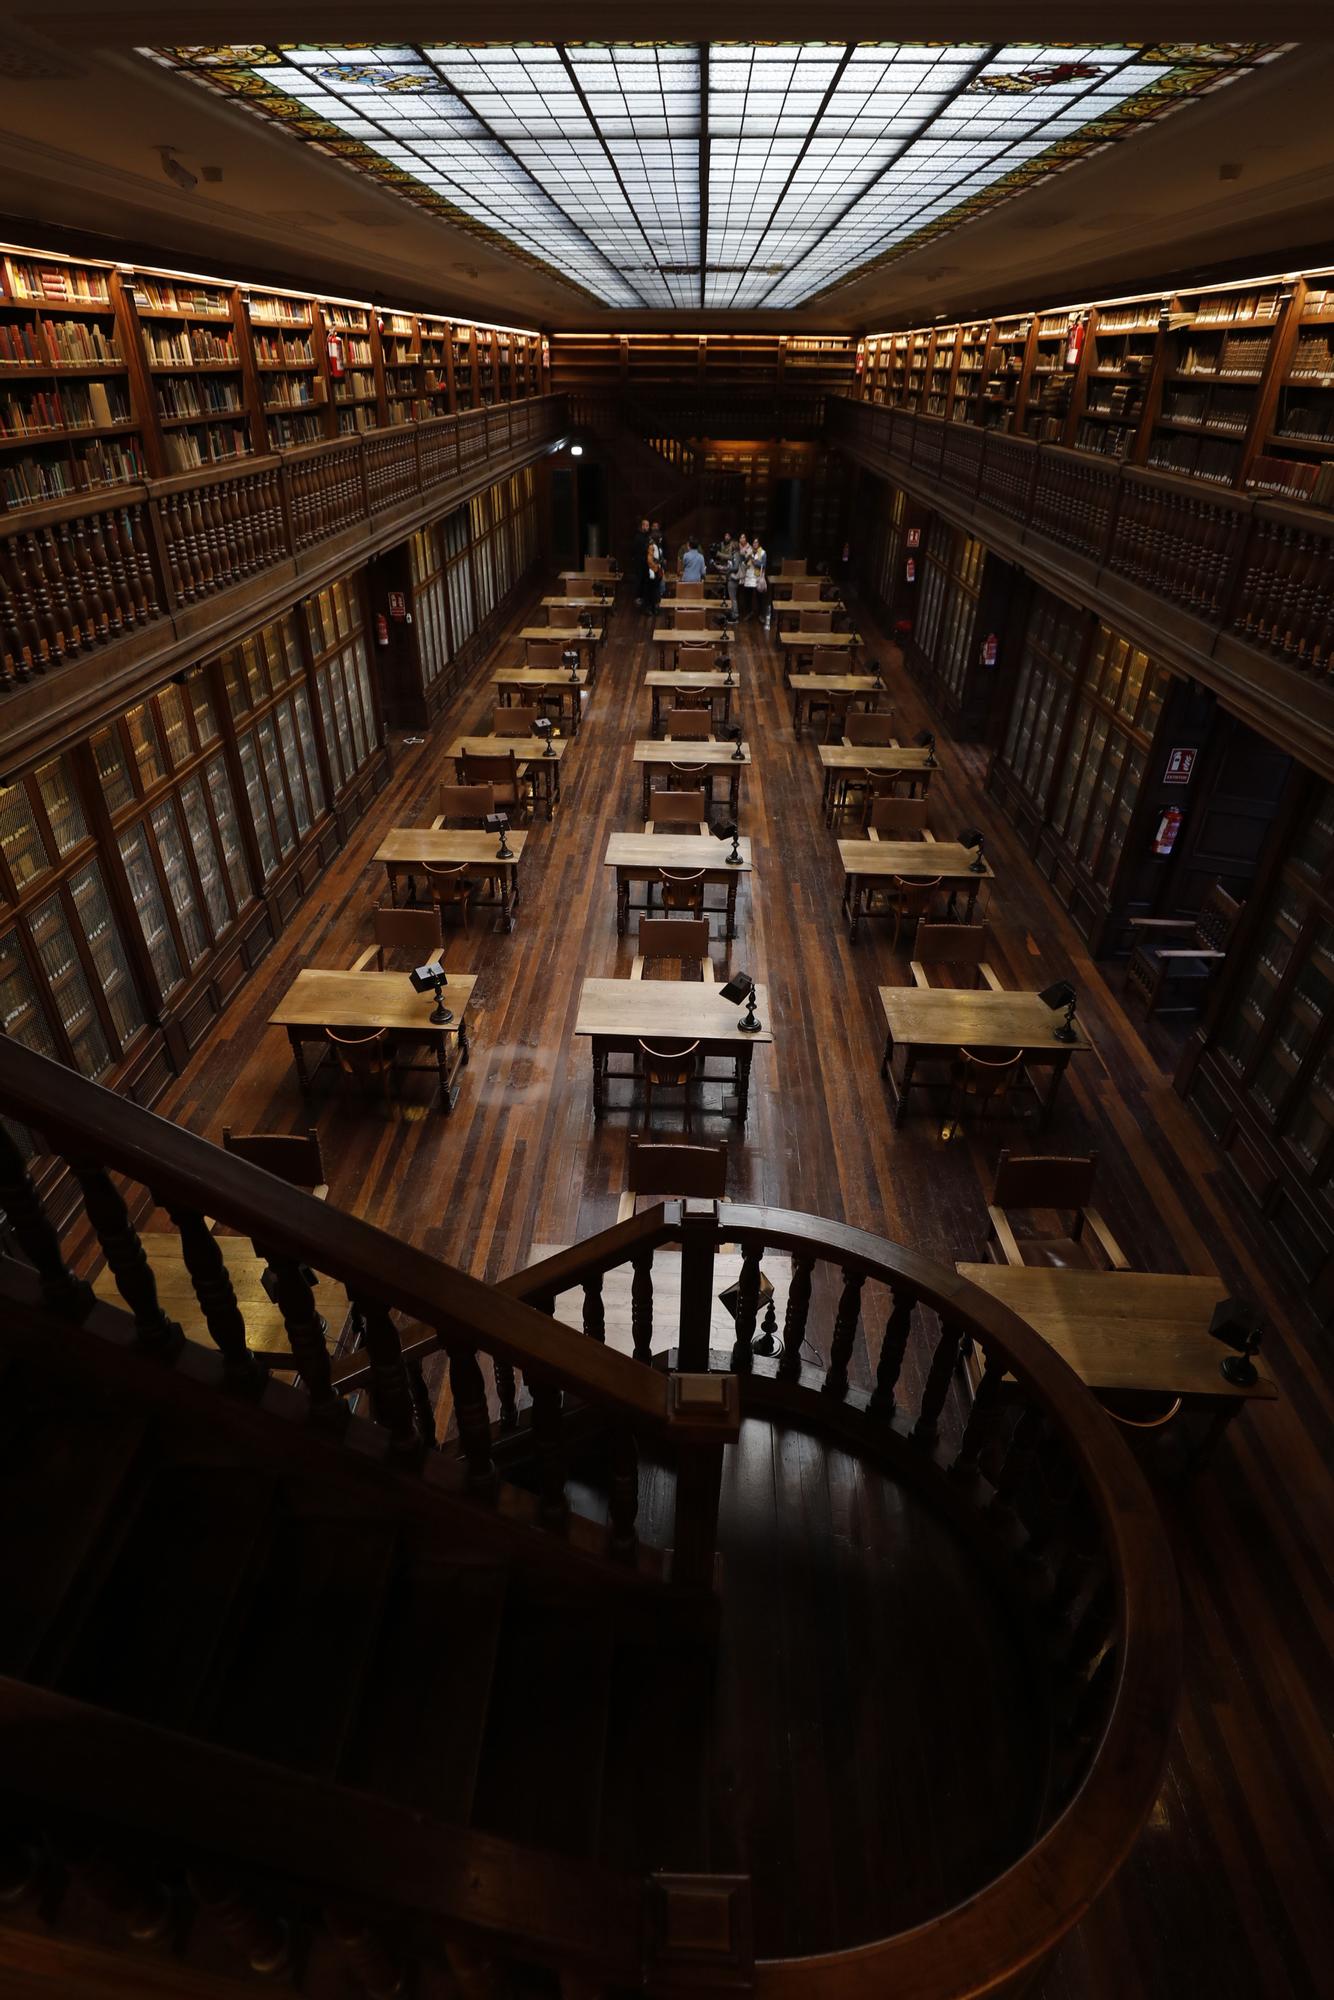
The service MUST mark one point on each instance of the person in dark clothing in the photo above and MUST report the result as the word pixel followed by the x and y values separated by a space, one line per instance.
pixel 639 565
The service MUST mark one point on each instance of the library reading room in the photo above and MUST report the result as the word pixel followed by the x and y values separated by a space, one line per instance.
pixel 666 1003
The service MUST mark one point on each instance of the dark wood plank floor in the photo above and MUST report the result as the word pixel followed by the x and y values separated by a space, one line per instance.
pixel 1231 1890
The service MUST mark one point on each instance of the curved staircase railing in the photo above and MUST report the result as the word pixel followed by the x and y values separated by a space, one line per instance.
pixel 1029 1467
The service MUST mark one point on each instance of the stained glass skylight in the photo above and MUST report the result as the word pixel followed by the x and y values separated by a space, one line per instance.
pixel 726 174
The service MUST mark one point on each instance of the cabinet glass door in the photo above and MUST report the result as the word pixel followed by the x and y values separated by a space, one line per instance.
pixel 68 988
pixel 21 1012
pixel 146 893
pixel 107 949
pixel 229 831
pixel 180 883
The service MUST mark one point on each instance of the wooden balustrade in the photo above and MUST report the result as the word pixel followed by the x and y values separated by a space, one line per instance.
pixel 80 573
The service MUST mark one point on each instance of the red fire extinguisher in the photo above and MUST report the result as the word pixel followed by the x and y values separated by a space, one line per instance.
pixel 990 650
pixel 1074 343
pixel 335 345
pixel 910 569
pixel 861 356
pixel 381 629
pixel 1169 826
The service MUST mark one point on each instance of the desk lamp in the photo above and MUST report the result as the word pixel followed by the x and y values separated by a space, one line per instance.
pixel 727 829
pixel 1238 1325
pixel 742 987
pixel 731 733
pixel 542 730
pixel 766 1340
pixel 586 624
pixel 970 837
pixel 429 979
pixel 500 823
pixel 875 669
pixel 1062 994
pixel 926 741
pixel 729 679
pixel 570 658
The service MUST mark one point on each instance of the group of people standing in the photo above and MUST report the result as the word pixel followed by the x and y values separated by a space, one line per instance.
pixel 742 562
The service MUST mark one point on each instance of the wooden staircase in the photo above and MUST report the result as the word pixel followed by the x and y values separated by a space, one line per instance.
pixel 293 1691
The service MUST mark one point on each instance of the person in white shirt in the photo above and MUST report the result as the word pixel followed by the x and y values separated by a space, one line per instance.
pixel 759 563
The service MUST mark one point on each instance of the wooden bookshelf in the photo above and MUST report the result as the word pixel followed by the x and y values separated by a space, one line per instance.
pixel 203 400
pixel 401 369
pixel 434 340
pixel 350 359
pixel 291 368
pixel 461 339
pixel 1218 352
pixel 1051 377
pixel 1006 380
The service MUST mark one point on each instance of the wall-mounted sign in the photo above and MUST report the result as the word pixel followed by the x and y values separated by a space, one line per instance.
pixel 398 605
pixel 914 538
pixel 1180 766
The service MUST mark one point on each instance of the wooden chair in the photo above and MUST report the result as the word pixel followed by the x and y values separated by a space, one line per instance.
pixel 363 1055
pixel 690 593
pixel 599 566
pixel 658 1168
pixel 513 721
pixel 688 778
pixel 690 618
pixel 682 889
pixel 835 703
pixel 815 618
pixel 678 943
pixel 908 899
pixel 1190 965
pixel 542 652
pixel 450 887
pixel 1059 1187
pixel 953 945
pixel 510 793
pixel 796 566
pixel 294 1157
pixel 575 586
pixel 464 806
pixel 686 724
pixel 895 818
pixel 896 783
pixel 870 725
pixel 981 1077
pixel 805 589
pixel 415 933
pixel 694 660
pixel 677 811
pixel 669 1065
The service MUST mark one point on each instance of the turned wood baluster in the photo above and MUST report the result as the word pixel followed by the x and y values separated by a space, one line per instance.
pixel 927 1428
pixel 846 1321
pixel 65 1294
pixel 465 1379
pixel 182 579
pixel 507 1393
pixel 548 1437
pixel 366 1955
pixel 139 1906
pixel 201 529
pixel 893 1347
pixel 129 526
pixel 641 1305
pixel 262 1940
pixel 794 1319
pixel 293 1292
pixel 595 1316
pixel 107 557
pixel 53 644
pixel 1016 1472
pixel 127 1259
pixel 423 1408
pixel 95 582
pixel 207 1267
pixel 18 626
pixel 391 1395
pixel 978 1430
pixel 1093 1628
pixel 74 602
pixel 747 1309
pixel 623 1500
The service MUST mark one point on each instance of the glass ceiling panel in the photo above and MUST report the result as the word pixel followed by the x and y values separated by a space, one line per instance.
pixel 823 158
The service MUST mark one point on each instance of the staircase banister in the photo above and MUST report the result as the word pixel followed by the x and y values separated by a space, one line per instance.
pixel 569 1911
pixel 650 1229
pixel 91 1123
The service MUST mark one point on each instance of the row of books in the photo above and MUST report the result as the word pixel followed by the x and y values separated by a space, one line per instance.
pixel 292 391
pixel 1115 399
pixel 1205 458
pixel 1235 357
pixel 188 345
pixel 209 445
pixel 1289 476
pixel 1313 356
pixel 279 353
pixel 356 417
pixel 278 312
pixel 37 343
pixel 1225 308
pixel 1308 420
pixel 354 387
pixel 1126 319
pixel 104 462
pixel 178 295
pixel 1109 440
pixel 345 316
pixel 1221 409
pixel 290 430
pixel 195 396
pixel 75 284
pixel 75 406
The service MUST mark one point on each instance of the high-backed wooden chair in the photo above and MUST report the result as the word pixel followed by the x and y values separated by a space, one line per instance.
pixel 674 943
pixel 956 946
pixel 805 589
pixel 682 889
pixel 500 770
pixel 410 934
pixel 685 724
pixel 450 886
pixel 294 1156
pixel 690 618
pixel 513 721
pixel 685 777
pixel 1190 965
pixel 542 652
pixel 1063 1189
pixel 575 586
pixel 892 818
pixel 694 660
pixel 599 566
pixel 910 900
pixel 668 1065
pixel 815 618
pixel 364 1056
pixel 690 593
pixel 870 725
pixel 897 783
pixel 797 566
pixel 677 812
pixel 982 1078
pixel 464 805
pixel 658 1169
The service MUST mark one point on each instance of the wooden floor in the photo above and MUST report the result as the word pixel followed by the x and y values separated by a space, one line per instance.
pixel 1231 1890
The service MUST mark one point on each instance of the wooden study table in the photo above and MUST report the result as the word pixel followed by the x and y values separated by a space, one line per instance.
pixel 565 636
pixel 319 999
pixel 937 1021
pixel 1139 1332
pixel 527 681
pixel 591 576
pixel 794 611
pixel 862 687
pixel 670 641
pixel 719 758
pixel 615 1014
pixel 839 758
pixel 704 680
pixel 866 862
pixel 533 764
pixel 838 642
pixel 408 847
pixel 640 857
pixel 573 604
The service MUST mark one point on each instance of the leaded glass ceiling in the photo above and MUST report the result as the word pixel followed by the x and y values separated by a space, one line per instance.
pixel 735 175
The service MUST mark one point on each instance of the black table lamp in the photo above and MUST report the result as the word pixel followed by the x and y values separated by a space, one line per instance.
pixel 430 979
pixel 1062 994
pixel 875 669
pixel 727 829
pixel 1238 1325
pixel 570 658
pixel 742 987
pixel 926 741
pixel 971 837
pixel 499 823
pixel 586 623
pixel 766 1340
pixel 542 729
pixel 731 733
